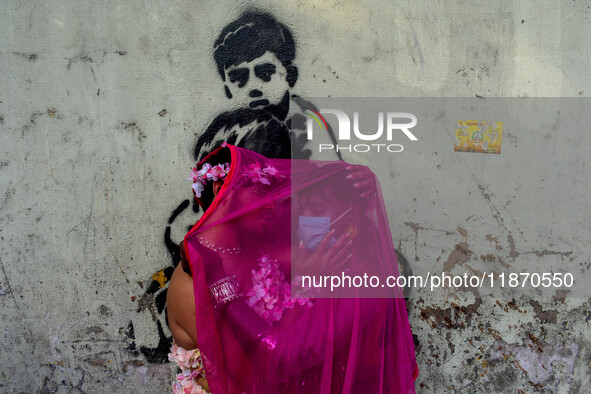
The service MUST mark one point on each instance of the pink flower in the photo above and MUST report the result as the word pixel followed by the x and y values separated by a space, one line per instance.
pixel 271 294
pixel 270 170
pixel 256 175
pixel 201 173
pixel 207 173
pixel 176 387
pixel 198 188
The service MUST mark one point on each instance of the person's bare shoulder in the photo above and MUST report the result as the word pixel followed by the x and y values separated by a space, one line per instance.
pixel 180 302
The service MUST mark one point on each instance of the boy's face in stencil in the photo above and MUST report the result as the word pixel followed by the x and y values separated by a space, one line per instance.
pixel 259 83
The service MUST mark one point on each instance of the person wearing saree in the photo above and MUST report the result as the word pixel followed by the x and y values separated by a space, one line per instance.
pixel 253 332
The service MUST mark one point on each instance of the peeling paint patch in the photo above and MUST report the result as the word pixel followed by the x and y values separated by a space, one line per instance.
pixel 560 295
pixel 538 365
pixel 510 305
pixel 545 316
pixel 456 317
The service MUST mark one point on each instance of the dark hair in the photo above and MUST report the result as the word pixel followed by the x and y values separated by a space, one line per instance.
pixel 249 37
pixel 207 196
pixel 254 129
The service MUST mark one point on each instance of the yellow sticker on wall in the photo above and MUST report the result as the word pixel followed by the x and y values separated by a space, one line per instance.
pixel 479 136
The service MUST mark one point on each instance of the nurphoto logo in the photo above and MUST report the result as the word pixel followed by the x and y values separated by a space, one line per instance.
pixel 395 122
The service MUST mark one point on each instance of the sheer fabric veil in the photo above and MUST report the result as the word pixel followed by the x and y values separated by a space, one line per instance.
pixel 342 339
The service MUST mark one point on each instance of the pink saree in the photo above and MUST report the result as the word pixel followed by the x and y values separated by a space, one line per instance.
pixel 270 225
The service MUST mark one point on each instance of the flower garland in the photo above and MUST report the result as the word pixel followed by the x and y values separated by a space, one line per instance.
pixel 207 173
pixel 271 294
pixel 191 365
pixel 254 172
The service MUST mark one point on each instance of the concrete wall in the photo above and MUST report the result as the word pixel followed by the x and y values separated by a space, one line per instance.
pixel 100 103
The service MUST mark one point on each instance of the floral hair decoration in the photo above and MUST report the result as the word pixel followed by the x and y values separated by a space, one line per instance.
pixel 207 173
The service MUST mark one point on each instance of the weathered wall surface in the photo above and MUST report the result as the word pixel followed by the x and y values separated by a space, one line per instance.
pixel 101 102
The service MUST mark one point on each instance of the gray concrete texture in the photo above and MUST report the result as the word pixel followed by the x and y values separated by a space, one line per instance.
pixel 101 102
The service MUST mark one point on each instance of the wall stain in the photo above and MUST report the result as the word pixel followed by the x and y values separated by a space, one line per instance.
pixel 488 258
pixel 487 196
pixel 98 362
pixel 32 57
pixel 536 358
pixel 32 122
pixel 133 127
pixel 82 57
pixel 105 310
pixel 132 363
pixel 455 317
pixel 503 264
pixel 511 305
pixel 547 252
pixel 491 239
pixel 458 256
pixel 463 232
pixel 484 193
pixel 450 344
pixel 93 330
pixel 416 227
pixel 513 253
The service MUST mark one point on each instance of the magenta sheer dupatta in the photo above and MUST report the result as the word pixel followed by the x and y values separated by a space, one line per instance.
pixel 351 340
